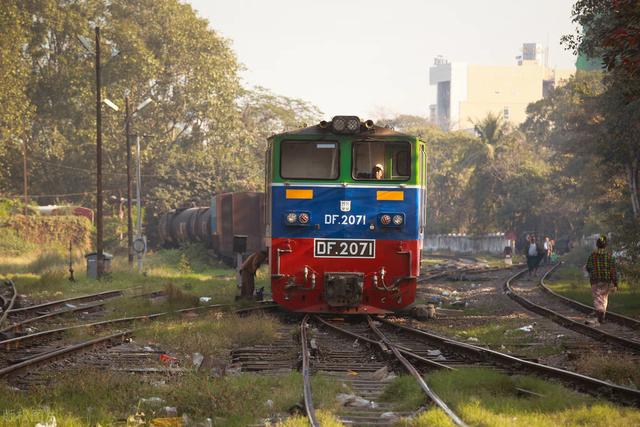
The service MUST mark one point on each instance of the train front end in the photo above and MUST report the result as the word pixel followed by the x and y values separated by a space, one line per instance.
pixel 345 217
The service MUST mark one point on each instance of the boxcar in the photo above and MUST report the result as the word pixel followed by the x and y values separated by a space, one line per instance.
pixel 345 217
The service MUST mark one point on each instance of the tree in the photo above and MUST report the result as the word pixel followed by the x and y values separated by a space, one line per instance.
pixel 611 31
pixel 16 109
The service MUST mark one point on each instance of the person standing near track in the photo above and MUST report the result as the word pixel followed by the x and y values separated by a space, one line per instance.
pixel 534 253
pixel 601 266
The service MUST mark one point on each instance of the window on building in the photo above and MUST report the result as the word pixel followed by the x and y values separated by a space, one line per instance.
pixel 377 160
pixel 309 160
pixel 505 113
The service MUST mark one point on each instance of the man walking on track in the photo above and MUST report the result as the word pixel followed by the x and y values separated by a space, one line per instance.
pixel 602 274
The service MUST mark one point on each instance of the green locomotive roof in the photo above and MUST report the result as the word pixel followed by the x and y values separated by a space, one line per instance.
pixel 375 131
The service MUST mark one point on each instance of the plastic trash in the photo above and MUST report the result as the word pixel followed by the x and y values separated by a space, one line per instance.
pixel 527 328
pixel 269 403
pixel 70 305
pixel 389 415
pixel 197 359
pixel 446 293
pixel 434 352
pixel 171 411
pixel 168 360
pixel 472 339
pixel 205 300
pixel 152 400
pixel 355 401
pixel 50 423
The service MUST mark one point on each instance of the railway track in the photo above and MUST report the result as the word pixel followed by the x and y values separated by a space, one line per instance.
pixel 365 365
pixel 472 353
pixel 612 317
pixel 24 316
pixel 26 352
pixel 624 335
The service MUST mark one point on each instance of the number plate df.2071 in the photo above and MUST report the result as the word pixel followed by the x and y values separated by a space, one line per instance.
pixel 339 248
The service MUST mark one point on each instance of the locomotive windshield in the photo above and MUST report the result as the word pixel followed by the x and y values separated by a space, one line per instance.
pixel 377 160
pixel 309 160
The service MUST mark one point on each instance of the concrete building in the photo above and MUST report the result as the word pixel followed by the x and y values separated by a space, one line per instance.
pixel 467 93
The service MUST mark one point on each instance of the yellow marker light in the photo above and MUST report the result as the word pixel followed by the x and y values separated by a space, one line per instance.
pixel 390 195
pixel 299 194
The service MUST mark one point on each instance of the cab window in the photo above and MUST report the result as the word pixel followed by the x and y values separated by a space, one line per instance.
pixel 376 160
pixel 309 160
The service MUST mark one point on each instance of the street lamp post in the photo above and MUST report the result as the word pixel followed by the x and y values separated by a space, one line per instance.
pixel 129 222
pixel 128 116
pixel 139 237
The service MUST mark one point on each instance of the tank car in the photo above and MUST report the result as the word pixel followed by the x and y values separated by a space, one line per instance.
pixel 230 214
pixel 345 217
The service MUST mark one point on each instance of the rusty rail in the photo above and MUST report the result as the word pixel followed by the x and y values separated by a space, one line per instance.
pixel 54 354
pixel 565 321
pixel 611 316
pixel 100 295
pixel 416 375
pixel 614 392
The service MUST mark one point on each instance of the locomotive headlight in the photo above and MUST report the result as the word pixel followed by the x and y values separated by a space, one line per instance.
pixel 292 217
pixel 339 123
pixel 303 218
pixel 398 219
pixel 385 219
pixel 353 124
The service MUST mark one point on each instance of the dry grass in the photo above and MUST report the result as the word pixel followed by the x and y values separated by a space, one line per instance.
pixel 213 333
pixel 620 369
pixel 325 418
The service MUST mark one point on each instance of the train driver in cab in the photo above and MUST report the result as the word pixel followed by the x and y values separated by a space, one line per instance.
pixel 377 172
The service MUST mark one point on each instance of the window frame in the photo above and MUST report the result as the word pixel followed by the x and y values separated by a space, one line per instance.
pixel 378 141
pixel 280 149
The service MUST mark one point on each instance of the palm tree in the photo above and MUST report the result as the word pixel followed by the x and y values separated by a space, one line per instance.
pixel 491 130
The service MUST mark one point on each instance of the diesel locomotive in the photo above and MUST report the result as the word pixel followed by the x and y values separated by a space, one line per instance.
pixel 345 216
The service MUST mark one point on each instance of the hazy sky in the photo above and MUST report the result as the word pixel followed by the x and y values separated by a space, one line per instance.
pixel 372 57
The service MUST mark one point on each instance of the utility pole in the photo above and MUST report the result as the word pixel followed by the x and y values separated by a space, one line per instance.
pixel 139 210
pixel 99 229
pixel 26 177
pixel 129 221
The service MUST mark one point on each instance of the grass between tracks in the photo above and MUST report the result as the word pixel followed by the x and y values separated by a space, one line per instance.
pixel 484 397
pixel 107 398
pixel 570 282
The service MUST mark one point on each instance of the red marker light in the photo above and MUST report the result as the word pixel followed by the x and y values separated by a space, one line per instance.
pixel 303 218
pixel 385 219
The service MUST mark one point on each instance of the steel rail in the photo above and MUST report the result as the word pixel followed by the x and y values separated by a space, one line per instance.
pixel 611 316
pixel 306 376
pixel 615 392
pixel 8 343
pixel 245 310
pixel 100 295
pixel 383 346
pixel 11 302
pixel 413 371
pixel 53 354
pixel 565 321
pixel 51 314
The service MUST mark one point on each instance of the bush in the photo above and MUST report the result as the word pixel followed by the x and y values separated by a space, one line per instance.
pixel 47 230
pixel 11 243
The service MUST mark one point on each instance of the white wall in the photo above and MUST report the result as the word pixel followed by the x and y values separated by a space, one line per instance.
pixel 493 244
